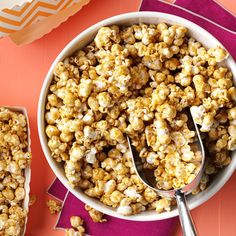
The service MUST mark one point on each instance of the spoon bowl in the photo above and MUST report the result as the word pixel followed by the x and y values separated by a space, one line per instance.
pixel 148 178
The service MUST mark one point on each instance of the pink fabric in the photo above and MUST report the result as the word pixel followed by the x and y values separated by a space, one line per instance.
pixel 211 10
pixel 114 226
pixel 58 190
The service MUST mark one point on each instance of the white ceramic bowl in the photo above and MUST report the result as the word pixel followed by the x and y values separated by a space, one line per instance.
pixel 79 42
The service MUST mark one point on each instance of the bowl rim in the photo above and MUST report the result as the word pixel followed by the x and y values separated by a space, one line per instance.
pixel 211 190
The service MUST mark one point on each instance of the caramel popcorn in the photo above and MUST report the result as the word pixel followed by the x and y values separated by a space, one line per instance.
pixel 95 215
pixel 78 228
pixel 138 80
pixel 14 159
pixel 53 206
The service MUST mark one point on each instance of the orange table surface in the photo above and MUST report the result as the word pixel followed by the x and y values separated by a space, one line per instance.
pixel 22 71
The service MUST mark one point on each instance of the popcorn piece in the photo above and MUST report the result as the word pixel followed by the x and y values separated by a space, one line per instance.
pixel 162 204
pixel 78 228
pixel 53 206
pixel 76 221
pixel 85 88
pixel 125 208
pixel 218 53
pixel 198 114
pixel 96 216
pixel 131 193
pixel 104 99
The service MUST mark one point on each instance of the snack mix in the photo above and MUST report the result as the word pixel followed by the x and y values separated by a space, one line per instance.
pixel 14 159
pixel 139 81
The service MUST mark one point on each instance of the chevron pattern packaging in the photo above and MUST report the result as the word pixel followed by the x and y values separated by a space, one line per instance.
pixel 27 20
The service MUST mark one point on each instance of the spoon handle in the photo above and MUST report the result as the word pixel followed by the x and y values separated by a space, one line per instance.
pixel 186 221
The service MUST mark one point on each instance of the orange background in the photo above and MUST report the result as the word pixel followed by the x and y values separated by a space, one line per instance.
pixel 22 71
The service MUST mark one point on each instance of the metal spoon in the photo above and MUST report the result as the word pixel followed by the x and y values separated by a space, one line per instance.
pixel 148 178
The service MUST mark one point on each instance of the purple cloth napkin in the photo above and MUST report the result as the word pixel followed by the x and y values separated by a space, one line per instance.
pixel 219 22
pixel 58 190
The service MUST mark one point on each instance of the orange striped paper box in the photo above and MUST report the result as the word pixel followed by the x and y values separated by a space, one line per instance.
pixel 27 20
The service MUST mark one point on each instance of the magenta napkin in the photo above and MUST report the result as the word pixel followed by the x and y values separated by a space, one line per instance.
pixel 219 22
